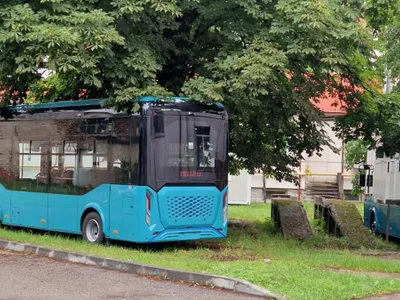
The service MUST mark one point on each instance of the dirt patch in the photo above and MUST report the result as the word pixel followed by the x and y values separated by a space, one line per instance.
pixel 232 254
pixel 236 228
pixel 246 227
pixel 222 251
pixel 370 273
pixel 13 253
pixel 292 219
pixel 384 297
pixel 239 224
pixel 384 255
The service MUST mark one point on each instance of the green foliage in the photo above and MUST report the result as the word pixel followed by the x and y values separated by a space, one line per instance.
pixel 260 73
pixel 393 47
pixel 356 153
pixel 263 59
pixel 357 190
pixel 51 89
pixel 377 116
pixel 377 122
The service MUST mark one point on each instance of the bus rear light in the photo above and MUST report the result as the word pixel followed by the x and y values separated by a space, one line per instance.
pixel 148 208
pixel 148 201
pixel 225 207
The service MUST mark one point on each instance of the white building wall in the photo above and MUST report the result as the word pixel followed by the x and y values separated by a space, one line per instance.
pixel 239 189
pixel 386 179
pixel 322 168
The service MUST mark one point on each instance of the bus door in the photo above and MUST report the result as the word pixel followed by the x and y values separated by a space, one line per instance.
pixel 29 198
pixel 122 219
pixel 124 154
pixel 63 198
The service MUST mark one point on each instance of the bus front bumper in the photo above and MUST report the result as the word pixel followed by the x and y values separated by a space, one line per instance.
pixel 188 234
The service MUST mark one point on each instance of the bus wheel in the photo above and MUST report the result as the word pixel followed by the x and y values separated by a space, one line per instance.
pixel 92 229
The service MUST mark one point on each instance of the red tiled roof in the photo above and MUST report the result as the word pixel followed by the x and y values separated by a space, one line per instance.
pixel 330 105
pixel 330 102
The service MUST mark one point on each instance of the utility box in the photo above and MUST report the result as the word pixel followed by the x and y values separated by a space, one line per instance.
pixel 239 189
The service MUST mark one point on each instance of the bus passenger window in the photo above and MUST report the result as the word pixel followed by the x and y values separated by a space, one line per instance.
pixel 7 169
pixel 63 167
pixel 86 151
pixel 120 152
pixel 83 181
pixel 33 168
pixel 101 154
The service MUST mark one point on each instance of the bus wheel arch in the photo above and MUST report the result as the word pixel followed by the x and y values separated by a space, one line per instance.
pixel 92 228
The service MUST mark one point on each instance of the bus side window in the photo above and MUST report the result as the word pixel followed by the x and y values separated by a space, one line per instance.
pixel 33 166
pixel 135 149
pixel 124 151
pixel 94 165
pixel 63 167
pixel 85 163
pixel 7 174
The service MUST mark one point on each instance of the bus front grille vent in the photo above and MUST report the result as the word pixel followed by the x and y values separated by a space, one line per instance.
pixel 190 207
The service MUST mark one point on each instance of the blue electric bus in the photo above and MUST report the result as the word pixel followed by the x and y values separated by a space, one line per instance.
pixel 154 174
pixel 381 218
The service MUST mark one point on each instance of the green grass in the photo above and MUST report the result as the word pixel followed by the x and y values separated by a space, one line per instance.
pixel 262 212
pixel 297 269
pixel 254 212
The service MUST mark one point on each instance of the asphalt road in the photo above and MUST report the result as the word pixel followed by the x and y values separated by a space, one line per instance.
pixel 24 276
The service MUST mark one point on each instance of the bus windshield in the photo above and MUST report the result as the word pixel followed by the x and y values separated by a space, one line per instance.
pixel 188 148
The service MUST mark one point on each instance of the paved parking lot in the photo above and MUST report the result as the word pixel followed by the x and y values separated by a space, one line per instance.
pixel 24 276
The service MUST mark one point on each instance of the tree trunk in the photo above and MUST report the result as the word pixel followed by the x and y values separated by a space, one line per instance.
pixel 264 190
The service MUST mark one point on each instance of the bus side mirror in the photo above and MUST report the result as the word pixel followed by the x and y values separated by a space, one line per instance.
pixel 361 181
pixel 370 180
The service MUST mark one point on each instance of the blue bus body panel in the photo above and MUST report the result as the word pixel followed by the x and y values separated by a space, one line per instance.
pixel 191 213
pixel 380 210
pixel 176 214
pixel 189 206
pixel 5 207
pixel 53 212
pixel 63 213
pixel 395 216
pixel 123 212
pixel 128 214
pixel 29 209
pixel 97 199
pixel 188 234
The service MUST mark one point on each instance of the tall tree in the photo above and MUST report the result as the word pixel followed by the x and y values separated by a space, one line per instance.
pixel 265 60
pixel 376 118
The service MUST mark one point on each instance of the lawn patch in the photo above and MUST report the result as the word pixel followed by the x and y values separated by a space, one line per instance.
pixel 254 251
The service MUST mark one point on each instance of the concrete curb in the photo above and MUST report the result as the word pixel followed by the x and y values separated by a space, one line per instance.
pixel 232 284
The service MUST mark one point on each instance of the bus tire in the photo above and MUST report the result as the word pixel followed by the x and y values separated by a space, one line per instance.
pixel 92 228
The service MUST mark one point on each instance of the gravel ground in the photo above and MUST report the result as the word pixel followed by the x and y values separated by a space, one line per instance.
pixel 24 276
